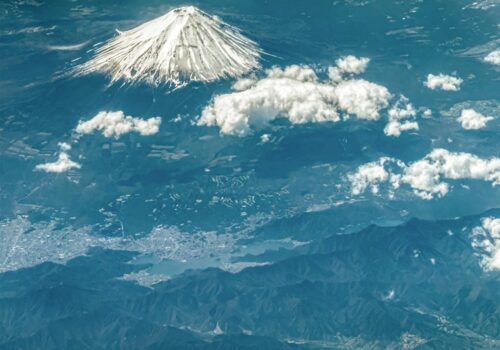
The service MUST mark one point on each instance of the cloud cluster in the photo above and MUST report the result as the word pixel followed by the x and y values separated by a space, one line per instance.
pixel 63 162
pixel 290 93
pixel 486 239
pixel 443 82
pixel 111 124
pixel 426 176
pixel 472 120
pixel 493 57
pixel 297 94
pixel 115 124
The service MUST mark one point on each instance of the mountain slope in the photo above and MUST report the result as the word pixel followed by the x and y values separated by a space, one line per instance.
pixel 186 44
pixel 419 284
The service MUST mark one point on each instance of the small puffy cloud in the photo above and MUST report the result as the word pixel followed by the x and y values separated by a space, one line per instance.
pixel 347 65
pixel 486 240
pixel 62 164
pixel 402 112
pixel 264 138
pixel 115 124
pixel 472 120
pixel 443 82
pixel 295 93
pixel 426 176
pixel 352 64
pixel 427 113
pixel 493 57
pixel 371 175
pixel 398 116
pixel 64 146
pixel 396 127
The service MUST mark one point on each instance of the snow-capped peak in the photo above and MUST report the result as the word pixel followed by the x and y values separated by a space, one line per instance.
pixel 186 44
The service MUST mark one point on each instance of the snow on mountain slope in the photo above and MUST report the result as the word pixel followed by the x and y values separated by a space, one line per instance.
pixel 186 44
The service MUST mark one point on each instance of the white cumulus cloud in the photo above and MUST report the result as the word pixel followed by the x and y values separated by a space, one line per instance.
pixel 426 176
pixel 335 74
pixel 362 98
pixel 443 82
pixel 352 64
pixel 292 93
pixel 398 118
pixel 427 113
pixel 486 240
pixel 63 162
pixel 472 120
pixel 347 65
pixel 116 124
pixel 371 175
pixel 396 127
pixel 493 57
pixel 295 93
pixel 295 72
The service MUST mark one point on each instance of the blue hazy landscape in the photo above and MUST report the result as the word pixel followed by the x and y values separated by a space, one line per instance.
pixel 341 191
